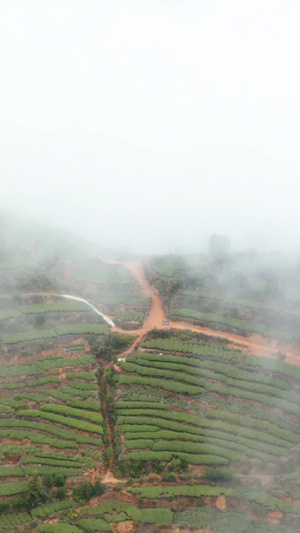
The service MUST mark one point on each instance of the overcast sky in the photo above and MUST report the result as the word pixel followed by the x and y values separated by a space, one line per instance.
pixel 151 124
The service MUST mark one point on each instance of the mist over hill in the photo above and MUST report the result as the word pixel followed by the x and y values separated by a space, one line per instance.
pixel 149 266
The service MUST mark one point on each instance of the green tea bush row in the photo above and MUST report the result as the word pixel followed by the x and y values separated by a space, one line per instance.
pixel 118 511
pixel 66 421
pixel 9 313
pixel 185 447
pixel 237 323
pixel 210 424
pixel 57 394
pixel 287 406
pixel 261 451
pixel 12 403
pixel 57 455
pixel 241 302
pixel 4 410
pixel 261 414
pixel 140 424
pixel 9 371
pixel 81 329
pixel 252 423
pixel 130 317
pixel 274 365
pixel 46 510
pixel 150 371
pixel 91 452
pixel 31 459
pixel 71 411
pixel 42 365
pixel 229 370
pixel 32 396
pixel 215 387
pixel 67 434
pixel 32 335
pixel 89 462
pixel 172 386
pixel 140 404
pixel 85 376
pixel 203 349
pixel 270 502
pixel 13 386
pixel 215 375
pixel 88 405
pixel 144 395
pixel 94 524
pixel 167 456
pixel 63 362
pixel 8 489
pixel 9 521
pixel 16 449
pixel 159 517
pixel 109 508
pixel 163 434
pixel 203 517
pixel 9 471
pixel 83 386
pixel 42 381
pixel 59 527
pixel 49 470
pixel 193 491
pixel 38 438
pixel 74 346
pixel 72 305
pixel 84 394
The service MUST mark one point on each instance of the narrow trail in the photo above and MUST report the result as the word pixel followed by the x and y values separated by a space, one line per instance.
pixel 71 297
pixel 253 344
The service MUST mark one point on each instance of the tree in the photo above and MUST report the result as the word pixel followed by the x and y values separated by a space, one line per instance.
pixel 61 493
pixel 85 491
pixel 39 320
pixel 35 492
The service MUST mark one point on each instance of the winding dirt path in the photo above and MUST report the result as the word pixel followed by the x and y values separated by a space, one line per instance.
pixel 253 344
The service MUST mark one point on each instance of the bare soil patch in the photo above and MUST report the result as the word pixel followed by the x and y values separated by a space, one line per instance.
pixel 221 502
pixel 274 517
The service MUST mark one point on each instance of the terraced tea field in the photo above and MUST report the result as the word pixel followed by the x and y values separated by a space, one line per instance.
pixel 163 429
pixel 197 412
pixel 238 293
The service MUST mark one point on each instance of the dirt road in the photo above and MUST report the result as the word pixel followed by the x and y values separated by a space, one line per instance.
pixel 254 344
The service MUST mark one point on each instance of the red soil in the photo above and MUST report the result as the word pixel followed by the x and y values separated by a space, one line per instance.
pixel 253 344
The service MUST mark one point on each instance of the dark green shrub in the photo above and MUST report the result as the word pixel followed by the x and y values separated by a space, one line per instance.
pixel 60 493
pixel 98 489
pixel 85 491
pixel 39 320
pixel 4 507
pixel 35 493
pixel 220 474
pixel 54 480
pixel 168 477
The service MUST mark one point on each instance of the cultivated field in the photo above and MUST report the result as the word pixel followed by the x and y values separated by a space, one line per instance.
pixel 144 426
